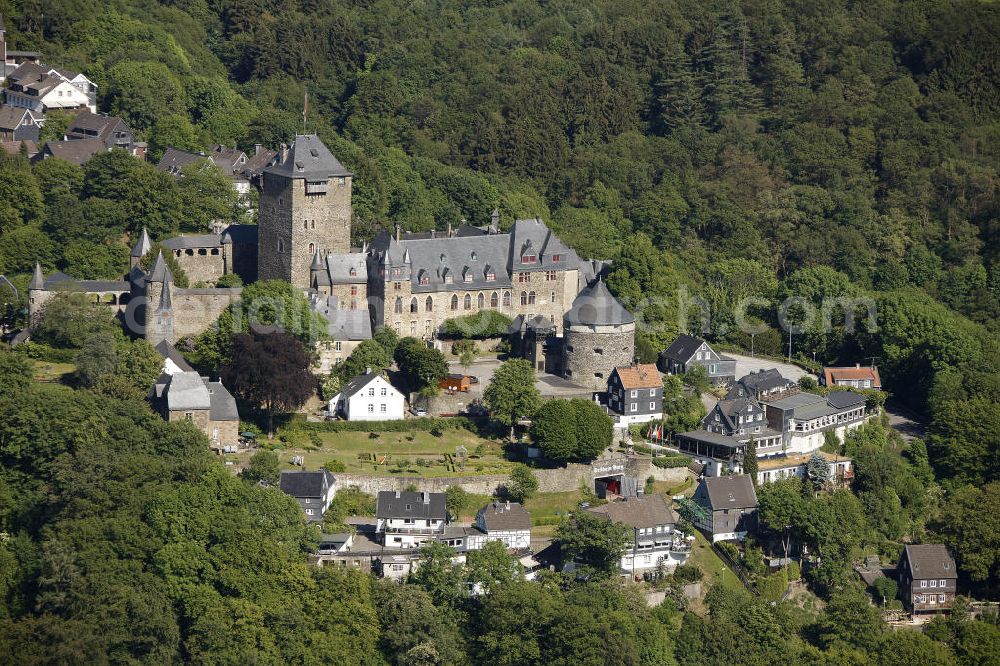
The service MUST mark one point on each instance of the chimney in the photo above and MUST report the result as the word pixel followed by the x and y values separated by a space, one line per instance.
pixel 284 152
pixel 450 233
pixel 399 232
pixel 433 233
pixel 427 498
pixel 368 370
pixel 397 494
pixel 257 148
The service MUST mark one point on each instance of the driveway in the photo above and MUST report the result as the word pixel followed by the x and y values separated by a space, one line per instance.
pixel 747 364
pixel 905 421
pixel 548 385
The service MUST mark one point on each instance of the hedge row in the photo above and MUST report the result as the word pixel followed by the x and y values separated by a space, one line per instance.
pixel 670 462
pixel 425 424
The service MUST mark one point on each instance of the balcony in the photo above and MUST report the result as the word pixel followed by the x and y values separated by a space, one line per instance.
pixel 437 529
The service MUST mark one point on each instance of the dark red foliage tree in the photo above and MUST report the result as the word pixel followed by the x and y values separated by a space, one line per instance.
pixel 269 371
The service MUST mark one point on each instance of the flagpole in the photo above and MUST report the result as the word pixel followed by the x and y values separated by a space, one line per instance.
pixel 305 108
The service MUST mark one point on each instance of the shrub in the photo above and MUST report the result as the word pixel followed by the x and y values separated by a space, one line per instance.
pixel 688 573
pixel 793 571
pixel 334 466
pixel 425 424
pixel 479 326
pixel 670 462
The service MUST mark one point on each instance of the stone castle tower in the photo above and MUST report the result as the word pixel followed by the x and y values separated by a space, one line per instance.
pixel 159 315
pixel 598 336
pixel 305 208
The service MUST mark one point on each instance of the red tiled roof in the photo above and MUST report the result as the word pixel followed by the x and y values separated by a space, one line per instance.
pixel 852 374
pixel 643 375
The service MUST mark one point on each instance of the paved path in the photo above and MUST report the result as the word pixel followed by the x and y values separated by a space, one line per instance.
pixel 908 423
pixel 747 364
pixel 548 385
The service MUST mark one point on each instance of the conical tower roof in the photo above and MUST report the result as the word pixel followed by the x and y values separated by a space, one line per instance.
pixel 307 158
pixel 596 306
pixel 143 245
pixel 159 271
pixel 317 263
pixel 165 304
pixel 37 279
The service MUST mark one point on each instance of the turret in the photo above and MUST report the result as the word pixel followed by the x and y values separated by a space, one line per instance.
pixel 315 270
pixel 159 308
pixel 140 249
pixel 36 296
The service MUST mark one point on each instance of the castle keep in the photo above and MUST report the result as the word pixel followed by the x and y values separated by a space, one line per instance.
pixel 411 282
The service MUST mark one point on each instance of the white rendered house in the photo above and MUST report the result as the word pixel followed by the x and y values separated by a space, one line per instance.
pixel 368 397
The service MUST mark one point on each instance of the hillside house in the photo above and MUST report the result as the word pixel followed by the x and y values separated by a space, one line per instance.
pixel 508 522
pixel 927 578
pixel 406 519
pixel 635 394
pixel 688 351
pixel 852 377
pixel 730 505
pixel 314 491
pixel 368 397
pixel 654 541
pixel 186 396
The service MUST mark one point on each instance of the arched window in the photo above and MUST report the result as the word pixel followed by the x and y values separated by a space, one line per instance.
pixel 454 302
pixel 413 305
pixel 399 306
pixel 468 302
pixel 531 298
pixel 481 302
pixel 494 300
pixel 506 299
pixel 312 249
pixel 524 298
pixel 429 304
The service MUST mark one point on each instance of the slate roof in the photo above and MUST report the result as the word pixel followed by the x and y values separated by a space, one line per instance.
pixel 159 271
pixel 168 351
pixel 502 516
pixel 142 245
pixel 930 560
pixel 638 512
pixel 187 391
pixel 11 116
pixel 357 383
pixel 223 404
pixel 730 492
pixel 232 161
pixel 523 323
pixel 193 241
pixel 307 158
pixel 338 268
pixel 710 438
pixel 407 504
pixel 175 159
pixel 434 259
pixel 256 162
pixel 639 376
pixel 241 234
pixel 95 125
pixel 596 306
pixel 300 483
pixel 75 151
pixel 14 147
pixel 844 399
pixel 682 348
pixel 764 380
pixel 347 324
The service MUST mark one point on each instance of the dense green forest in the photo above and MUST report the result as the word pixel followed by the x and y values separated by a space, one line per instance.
pixel 721 150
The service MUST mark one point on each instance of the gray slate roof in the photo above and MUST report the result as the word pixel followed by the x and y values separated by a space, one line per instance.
pixel 357 383
pixel 240 234
pixel 143 245
pixel 407 504
pixel 192 242
pixel 730 492
pixel 596 306
pixel 187 391
pixel 338 268
pixel 501 516
pixel 75 151
pixel 307 158
pixel 11 116
pixel 930 560
pixel 223 403
pixel 523 323
pixel 168 351
pixel 710 438
pixel 638 512
pixel 300 483
pixel 844 399
pixel 764 380
pixel 682 348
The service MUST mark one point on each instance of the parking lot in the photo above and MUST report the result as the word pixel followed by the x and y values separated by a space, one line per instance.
pixel 548 385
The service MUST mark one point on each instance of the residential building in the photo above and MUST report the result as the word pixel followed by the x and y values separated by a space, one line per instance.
pixel 368 397
pixel 11 59
pixel 803 419
pixel 635 394
pixel 345 330
pixel 927 578
pixel 730 507
pixel 231 161
pixel 75 152
pixel 19 124
pixel 312 490
pixel 186 396
pixel 113 131
pixel 173 360
pixel 406 519
pixel 42 89
pixel 762 385
pixel 654 541
pixel 840 469
pixel 744 419
pixel 688 351
pixel 857 377
pixel 507 522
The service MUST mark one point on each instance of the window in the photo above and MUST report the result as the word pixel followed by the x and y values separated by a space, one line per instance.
pixel 531 298
pixel 494 300
pixel 336 345
pixel 384 391
pixel 600 352
pixel 942 598
pixel 474 256
pixel 524 277
pixel 920 598
pixel 467 302
pixel 454 302
pixel 397 286
pixel 652 393
pixel 550 276
pixel 413 304
pixel 491 276
pixel 923 583
pixel 449 278
pixel 429 304
pixel 354 304
pixel 633 406
pixel 424 279
pixel 556 257
pixel 528 259
pixel 188 416
pixel 413 328
pixel 371 390
pixel 481 301
pixel 353 272
pixel 634 393
pixel 305 225
pixel 652 405
pixel 524 298
pixel 942 583
pixel 341 180
pixel 506 299
pixel 371 409
pixel 381 408
pixel 467 277
pixel 933 583
pixel 354 291
pixel 398 308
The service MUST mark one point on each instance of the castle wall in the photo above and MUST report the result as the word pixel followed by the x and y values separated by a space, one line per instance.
pixel 331 352
pixel 349 296
pixel 293 225
pixel 203 264
pixel 590 353
pixel 197 309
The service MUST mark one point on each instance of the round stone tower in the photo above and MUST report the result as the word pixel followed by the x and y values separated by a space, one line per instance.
pixel 598 335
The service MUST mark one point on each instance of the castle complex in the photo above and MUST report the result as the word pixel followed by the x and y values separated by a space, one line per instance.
pixel 407 281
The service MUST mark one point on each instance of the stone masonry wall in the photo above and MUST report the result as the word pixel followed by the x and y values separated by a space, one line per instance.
pixel 200 267
pixel 590 354
pixel 197 309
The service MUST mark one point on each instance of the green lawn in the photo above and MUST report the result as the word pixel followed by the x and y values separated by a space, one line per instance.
pixel 46 371
pixel 706 559
pixel 361 453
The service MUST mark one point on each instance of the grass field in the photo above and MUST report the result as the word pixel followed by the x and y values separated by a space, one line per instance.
pixel 46 371
pixel 418 453
pixel 706 559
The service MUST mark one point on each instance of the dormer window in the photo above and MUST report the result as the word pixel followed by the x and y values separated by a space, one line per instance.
pixel 490 277
pixel 474 256
pixel 424 279
pixel 556 257
pixel 354 272
pixel 529 259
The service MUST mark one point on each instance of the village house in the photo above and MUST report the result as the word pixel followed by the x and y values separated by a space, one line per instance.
pixel 111 130
pixel 77 152
pixel 368 397
pixel 173 360
pixel 851 377
pixel 19 124
pixel 232 162
pixel 804 418
pixel 762 385
pixel 687 352
pixel 654 541
pixel 507 522
pixel 345 330
pixel 312 490
pixel 729 504
pixel 635 394
pixel 927 578
pixel 406 519
pixel 42 89
pixel 186 396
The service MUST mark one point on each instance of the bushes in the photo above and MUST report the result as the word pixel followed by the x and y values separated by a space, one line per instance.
pixel 485 324
pixel 425 424
pixel 671 462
